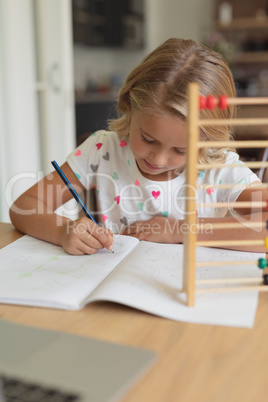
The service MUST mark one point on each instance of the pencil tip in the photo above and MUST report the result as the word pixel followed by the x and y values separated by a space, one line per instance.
pixel 111 248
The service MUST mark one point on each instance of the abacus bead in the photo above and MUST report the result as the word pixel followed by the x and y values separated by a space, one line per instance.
pixel 202 102
pixel 265 279
pixel 211 102
pixel 266 242
pixel 223 102
pixel 262 263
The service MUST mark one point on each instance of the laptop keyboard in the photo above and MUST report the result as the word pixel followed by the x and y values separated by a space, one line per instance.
pixel 14 390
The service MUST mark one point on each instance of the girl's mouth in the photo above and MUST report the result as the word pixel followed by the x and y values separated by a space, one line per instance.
pixel 147 164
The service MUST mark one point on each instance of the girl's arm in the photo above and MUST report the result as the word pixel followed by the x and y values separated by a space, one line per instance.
pixel 169 230
pixel 33 213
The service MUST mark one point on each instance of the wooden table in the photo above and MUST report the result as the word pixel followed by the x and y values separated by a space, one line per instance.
pixel 202 363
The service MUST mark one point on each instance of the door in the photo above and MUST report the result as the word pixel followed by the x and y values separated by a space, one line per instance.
pixel 53 26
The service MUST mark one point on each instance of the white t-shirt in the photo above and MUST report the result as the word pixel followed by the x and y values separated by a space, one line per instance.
pixel 105 162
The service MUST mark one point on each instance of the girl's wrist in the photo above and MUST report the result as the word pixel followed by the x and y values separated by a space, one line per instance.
pixel 173 230
pixel 62 230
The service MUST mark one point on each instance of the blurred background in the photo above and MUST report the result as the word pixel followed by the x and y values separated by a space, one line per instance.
pixel 62 62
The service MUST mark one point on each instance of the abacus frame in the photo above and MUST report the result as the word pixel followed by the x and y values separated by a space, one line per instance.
pixel 192 166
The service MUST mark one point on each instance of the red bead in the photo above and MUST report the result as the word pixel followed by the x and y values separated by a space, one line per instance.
pixel 223 102
pixel 202 102
pixel 211 102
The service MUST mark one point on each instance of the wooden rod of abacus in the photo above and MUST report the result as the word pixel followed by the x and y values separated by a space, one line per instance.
pixel 220 243
pixel 248 101
pixel 228 280
pixel 233 144
pixel 205 166
pixel 216 263
pixel 189 240
pixel 230 225
pixel 256 121
pixel 237 204
pixel 260 288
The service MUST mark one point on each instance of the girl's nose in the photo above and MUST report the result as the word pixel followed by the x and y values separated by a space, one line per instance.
pixel 159 158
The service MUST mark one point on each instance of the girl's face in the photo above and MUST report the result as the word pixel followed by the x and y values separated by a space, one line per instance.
pixel 158 144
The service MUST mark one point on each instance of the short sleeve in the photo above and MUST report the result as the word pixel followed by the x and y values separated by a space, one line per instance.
pixel 84 160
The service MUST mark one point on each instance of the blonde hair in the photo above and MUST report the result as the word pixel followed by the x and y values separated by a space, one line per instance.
pixel 159 85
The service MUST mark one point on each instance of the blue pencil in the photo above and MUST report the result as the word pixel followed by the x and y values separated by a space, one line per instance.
pixel 72 190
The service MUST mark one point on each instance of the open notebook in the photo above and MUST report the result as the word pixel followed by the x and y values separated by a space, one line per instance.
pixel 43 365
pixel 143 275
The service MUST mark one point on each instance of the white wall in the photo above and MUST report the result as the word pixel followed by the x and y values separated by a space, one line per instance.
pixel 177 18
pixel 19 151
pixel 164 19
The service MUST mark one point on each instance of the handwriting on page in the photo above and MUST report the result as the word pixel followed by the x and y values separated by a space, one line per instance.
pixel 152 269
pixel 39 265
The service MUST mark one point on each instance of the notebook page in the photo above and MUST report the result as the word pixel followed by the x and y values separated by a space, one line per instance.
pixel 34 272
pixel 150 279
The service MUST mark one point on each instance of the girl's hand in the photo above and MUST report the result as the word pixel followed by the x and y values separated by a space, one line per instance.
pixel 83 236
pixel 158 229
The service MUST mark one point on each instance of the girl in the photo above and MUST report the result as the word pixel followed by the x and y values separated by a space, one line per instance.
pixel 137 169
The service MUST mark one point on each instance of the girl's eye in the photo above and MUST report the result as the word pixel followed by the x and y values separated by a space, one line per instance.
pixel 179 152
pixel 150 142
pixel 147 141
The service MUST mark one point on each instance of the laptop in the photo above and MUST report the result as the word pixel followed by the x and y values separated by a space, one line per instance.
pixel 54 366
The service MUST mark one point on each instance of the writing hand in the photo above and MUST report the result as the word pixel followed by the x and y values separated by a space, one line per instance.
pixel 83 236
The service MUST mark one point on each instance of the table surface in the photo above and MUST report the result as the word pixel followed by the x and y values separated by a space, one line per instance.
pixel 196 362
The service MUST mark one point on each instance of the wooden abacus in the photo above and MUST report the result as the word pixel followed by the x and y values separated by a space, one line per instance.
pixel 195 103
